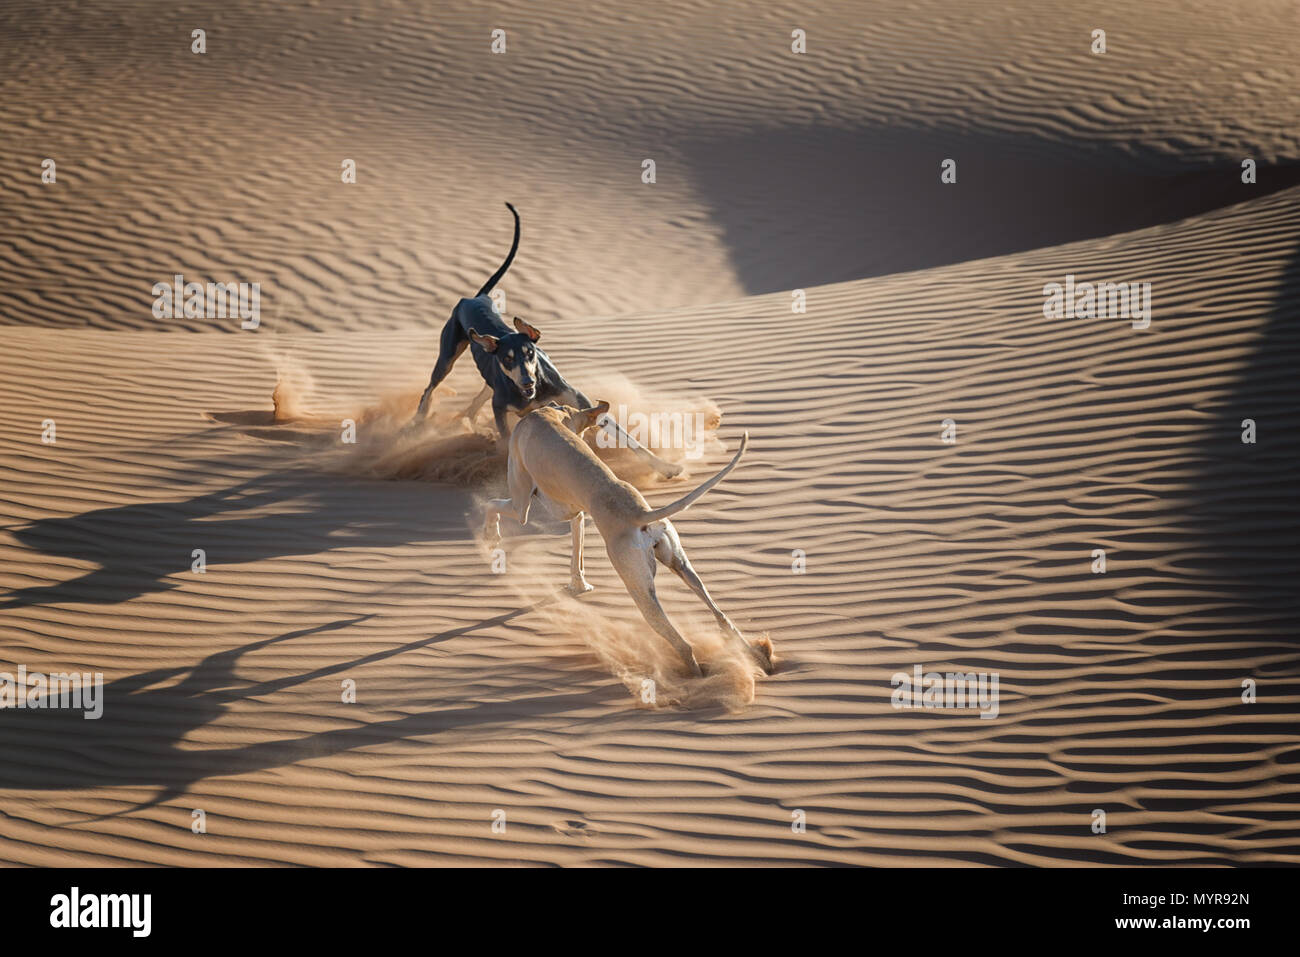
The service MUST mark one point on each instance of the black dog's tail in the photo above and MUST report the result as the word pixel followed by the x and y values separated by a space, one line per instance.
pixel 496 276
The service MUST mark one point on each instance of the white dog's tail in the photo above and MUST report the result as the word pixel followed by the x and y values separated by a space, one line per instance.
pixel 685 502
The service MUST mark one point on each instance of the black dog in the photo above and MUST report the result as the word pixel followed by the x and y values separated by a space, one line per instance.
pixel 518 376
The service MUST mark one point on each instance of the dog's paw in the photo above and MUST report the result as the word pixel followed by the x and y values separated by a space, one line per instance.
pixel 669 470
pixel 578 588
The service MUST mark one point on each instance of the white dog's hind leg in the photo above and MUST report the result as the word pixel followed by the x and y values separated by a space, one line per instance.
pixel 636 567
pixel 668 549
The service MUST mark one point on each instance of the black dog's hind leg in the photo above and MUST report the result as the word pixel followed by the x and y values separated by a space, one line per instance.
pixel 453 343
pixel 477 404
pixel 499 416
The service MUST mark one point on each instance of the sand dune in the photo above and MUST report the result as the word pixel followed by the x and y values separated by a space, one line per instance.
pixel 477 692
pixel 773 171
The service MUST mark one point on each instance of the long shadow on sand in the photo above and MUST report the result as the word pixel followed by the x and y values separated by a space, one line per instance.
pixel 146 717
pixel 140 547
pixel 839 205
pixel 1247 499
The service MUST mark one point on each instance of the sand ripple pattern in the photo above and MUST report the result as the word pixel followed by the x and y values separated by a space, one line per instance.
pixel 225 167
pixel 1119 691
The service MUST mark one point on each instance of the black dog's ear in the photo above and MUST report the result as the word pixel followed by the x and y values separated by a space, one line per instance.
pixel 488 343
pixel 532 332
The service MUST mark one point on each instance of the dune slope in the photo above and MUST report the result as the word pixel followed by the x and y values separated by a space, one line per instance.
pixel 476 693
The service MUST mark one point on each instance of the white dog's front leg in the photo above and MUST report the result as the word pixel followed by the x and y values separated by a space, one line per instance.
pixel 492 519
pixel 577 581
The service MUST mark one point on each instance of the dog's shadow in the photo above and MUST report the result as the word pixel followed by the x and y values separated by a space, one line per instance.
pixel 142 547
pixel 138 739
pixel 265 424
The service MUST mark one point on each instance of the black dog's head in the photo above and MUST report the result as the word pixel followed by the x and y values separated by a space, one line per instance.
pixel 516 355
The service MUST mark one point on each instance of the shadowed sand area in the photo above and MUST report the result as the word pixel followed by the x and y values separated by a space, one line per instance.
pixel 223 690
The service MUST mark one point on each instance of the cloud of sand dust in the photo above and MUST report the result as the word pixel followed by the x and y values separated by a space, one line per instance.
pixel 444 451
pixel 631 650
pixel 685 448
pixel 626 645
pixel 293 386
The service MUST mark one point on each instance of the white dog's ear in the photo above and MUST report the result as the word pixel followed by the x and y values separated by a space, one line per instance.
pixel 587 417
pixel 486 342
pixel 532 332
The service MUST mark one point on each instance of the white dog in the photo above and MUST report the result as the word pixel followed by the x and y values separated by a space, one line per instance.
pixel 549 458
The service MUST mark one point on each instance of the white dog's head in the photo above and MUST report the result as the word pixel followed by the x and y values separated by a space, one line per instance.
pixel 578 420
